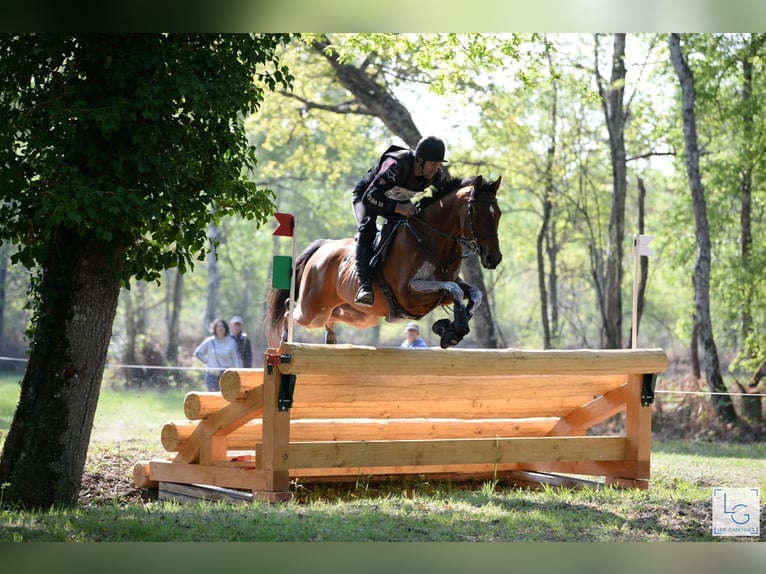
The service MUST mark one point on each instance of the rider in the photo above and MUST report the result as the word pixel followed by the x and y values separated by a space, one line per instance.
pixel 397 176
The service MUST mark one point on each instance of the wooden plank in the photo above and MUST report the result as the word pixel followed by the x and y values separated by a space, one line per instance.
pixel 592 468
pixel 176 434
pixel 592 413
pixel 638 427
pixel 228 477
pixel 221 422
pixel 328 359
pixel 444 452
pixel 196 492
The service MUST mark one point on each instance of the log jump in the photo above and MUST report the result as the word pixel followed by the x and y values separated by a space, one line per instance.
pixel 344 411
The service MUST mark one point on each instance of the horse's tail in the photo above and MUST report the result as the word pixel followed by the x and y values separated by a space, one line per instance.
pixel 277 299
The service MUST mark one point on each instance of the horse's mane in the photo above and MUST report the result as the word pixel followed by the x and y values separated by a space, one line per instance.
pixel 451 185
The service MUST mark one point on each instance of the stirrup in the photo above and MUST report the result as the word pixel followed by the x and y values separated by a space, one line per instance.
pixel 364 297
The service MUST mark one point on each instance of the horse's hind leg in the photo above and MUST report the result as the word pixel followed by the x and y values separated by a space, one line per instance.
pixel 329 334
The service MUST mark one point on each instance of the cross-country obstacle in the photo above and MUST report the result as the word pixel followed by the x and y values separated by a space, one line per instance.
pixel 333 412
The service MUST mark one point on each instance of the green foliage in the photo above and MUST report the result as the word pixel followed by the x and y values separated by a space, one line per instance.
pixel 129 139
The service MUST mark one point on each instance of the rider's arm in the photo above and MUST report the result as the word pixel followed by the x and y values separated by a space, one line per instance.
pixel 384 180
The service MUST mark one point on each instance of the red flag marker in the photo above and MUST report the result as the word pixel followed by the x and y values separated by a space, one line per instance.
pixel 286 224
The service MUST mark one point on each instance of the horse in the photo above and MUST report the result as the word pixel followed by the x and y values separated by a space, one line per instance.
pixel 418 271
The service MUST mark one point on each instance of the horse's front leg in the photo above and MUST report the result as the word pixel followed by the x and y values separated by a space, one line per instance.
pixel 473 295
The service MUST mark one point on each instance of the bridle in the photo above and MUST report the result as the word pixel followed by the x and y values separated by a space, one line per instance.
pixel 469 244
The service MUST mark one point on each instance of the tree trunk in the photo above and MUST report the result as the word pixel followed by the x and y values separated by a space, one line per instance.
pixel 643 262
pixel 379 101
pixel 134 376
pixel 376 98
pixel 723 404
pixel 174 318
pixel 44 453
pixel 694 349
pixel 213 281
pixel 746 183
pixel 614 113
pixel 5 247
pixel 544 244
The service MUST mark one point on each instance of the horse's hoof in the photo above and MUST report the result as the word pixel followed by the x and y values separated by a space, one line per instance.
pixel 440 326
pixel 449 338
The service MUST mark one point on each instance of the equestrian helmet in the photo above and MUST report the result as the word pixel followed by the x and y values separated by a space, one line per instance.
pixel 431 148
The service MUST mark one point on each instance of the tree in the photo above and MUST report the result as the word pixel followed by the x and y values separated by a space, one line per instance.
pixel 114 147
pixel 722 402
pixel 369 82
pixel 615 116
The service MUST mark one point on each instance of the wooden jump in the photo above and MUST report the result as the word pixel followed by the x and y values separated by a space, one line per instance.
pixel 335 411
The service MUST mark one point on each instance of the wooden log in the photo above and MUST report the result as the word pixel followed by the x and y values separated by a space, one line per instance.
pixel 329 359
pixel 425 395
pixel 198 405
pixel 175 434
pixel 221 422
pixel 141 476
pixel 459 451
pixel 235 384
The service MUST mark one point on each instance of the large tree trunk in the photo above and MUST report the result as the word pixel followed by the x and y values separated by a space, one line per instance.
pixel 614 113
pixel 44 453
pixel 723 404
pixel 379 101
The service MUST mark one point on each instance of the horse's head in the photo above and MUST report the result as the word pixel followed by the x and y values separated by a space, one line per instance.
pixel 481 219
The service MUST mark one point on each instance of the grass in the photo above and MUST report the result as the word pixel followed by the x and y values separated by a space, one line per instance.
pixel 677 507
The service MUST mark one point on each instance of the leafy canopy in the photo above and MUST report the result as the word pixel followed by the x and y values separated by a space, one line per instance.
pixel 134 141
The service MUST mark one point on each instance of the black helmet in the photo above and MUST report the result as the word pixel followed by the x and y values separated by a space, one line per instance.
pixel 431 148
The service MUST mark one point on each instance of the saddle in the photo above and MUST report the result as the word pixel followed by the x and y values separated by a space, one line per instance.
pixel 380 248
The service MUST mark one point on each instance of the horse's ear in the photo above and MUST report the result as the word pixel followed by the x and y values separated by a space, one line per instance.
pixel 478 182
pixel 497 182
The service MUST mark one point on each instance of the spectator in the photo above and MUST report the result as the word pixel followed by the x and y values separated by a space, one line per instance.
pixel 219 352
pixel 243 342
pixel 412 332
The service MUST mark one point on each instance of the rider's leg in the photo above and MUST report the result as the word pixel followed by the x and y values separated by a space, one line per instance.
pixel 364 240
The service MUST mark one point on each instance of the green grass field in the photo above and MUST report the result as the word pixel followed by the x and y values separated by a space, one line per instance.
pixel 677 507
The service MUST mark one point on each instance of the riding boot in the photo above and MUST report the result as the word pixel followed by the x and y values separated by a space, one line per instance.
pixel 365 295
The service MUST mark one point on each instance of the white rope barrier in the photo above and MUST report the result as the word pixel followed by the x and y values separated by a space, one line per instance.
pixel 159 367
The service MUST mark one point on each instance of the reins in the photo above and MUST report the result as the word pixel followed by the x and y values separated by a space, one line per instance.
pixel 470 244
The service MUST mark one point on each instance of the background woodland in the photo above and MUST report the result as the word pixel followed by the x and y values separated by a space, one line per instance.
pixel 593 137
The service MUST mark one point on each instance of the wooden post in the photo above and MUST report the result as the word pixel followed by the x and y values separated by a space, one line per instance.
pixel 638 435
pixel 273 456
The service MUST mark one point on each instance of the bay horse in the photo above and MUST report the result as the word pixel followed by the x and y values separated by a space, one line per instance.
pixel 420 269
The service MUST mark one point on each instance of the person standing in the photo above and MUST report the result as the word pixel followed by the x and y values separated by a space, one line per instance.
pixel 219 352
pixel 243 342
pixel 412 332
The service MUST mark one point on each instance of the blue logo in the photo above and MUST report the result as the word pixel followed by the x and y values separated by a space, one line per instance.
pixel 736 512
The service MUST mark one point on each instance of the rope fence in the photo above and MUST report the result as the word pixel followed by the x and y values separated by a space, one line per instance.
pixel 201 369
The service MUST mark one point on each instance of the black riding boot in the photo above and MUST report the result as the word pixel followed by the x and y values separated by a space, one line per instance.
pixel 365 295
